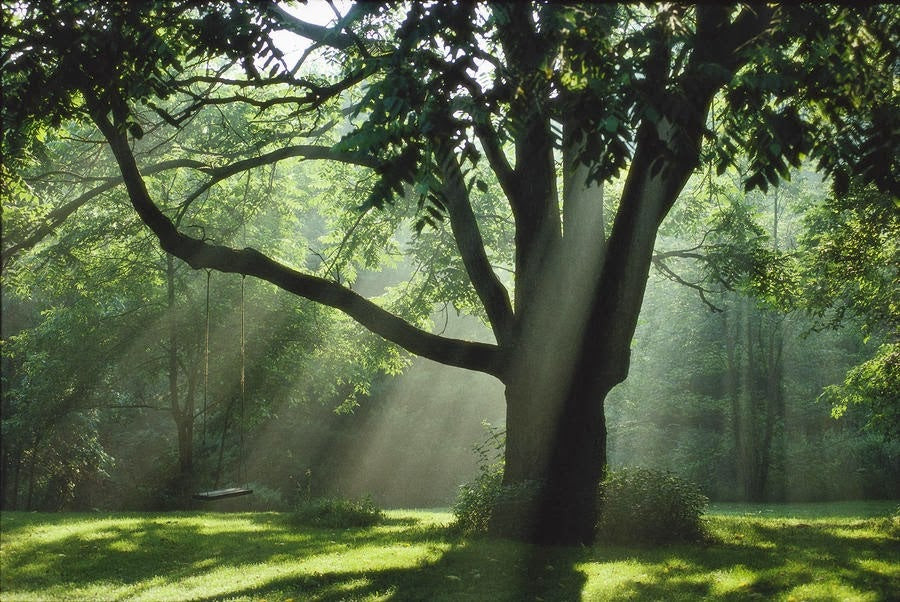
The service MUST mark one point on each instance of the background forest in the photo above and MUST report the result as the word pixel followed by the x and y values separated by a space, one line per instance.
pixel 110 399
pixel 346 169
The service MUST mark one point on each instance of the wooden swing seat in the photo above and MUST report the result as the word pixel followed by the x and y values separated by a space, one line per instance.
pixel 221 494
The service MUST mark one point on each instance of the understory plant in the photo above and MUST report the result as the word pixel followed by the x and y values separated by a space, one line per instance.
pixel 635 505
pixel 640 505
pixel 337 513
pixel 477 499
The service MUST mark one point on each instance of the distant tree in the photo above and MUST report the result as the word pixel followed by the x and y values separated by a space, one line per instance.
pixel 849 273
pixel 849 253
pixel 423 92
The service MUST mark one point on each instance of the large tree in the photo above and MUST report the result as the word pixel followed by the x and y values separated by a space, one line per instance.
pixel 556 99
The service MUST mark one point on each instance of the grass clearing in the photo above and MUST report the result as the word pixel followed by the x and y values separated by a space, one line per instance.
pixel 784 553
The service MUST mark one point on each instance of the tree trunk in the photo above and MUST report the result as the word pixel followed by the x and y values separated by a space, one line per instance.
pixel 557 452
pixel 220 463
pixel 776 486
pixel 754 349
pixel 13 502
pixel 31 468
pixel 185 429
pixel 750 418
pixel 4 476
pixel 182 411
pixel 572 346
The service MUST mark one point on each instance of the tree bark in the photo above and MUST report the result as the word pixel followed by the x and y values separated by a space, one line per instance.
pixel 754 384
pixel 32 462
pixel 556 452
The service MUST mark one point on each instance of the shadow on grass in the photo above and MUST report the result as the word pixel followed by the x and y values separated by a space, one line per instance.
pixel 476 570
pixel 256 556
pixel 768 559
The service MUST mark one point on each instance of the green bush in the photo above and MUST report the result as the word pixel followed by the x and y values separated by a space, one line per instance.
pixel 475 501
pixel 638 505
pixel 889 525
pixel 635 505
pixel 338 513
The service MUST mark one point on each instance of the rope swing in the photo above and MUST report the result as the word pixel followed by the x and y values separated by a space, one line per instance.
pixel 218 494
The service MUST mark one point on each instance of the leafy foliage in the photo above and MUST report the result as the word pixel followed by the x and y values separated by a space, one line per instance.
pixel 639 505
pixel 874 384
pixel 850 258
pixel 338 513
pixel 793 101
pixel 475 500
pixel 56 52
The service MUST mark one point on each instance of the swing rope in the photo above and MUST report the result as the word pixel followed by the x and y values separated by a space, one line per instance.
pixel 241 468
pixel 231 491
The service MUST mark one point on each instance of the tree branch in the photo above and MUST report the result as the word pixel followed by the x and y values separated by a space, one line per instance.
pixel 310 31
pixel 315 97
pixel 718 42
pixel 485 131
pixel 490 143
pixel 250 262
pixel 56 217
pixel 666 271
pixel 470 244
pixel 306 151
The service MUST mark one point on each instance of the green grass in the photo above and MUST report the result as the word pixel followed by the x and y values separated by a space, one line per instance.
pixel 763 553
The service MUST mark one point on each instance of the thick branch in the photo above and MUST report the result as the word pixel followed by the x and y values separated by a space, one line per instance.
pixel 532 197
pixel 487 285
pixel 306 151
pixel 490 143
pixel 487 134
pixel 666 153
pixel 198 254
pixel 718 42
pixel 310 31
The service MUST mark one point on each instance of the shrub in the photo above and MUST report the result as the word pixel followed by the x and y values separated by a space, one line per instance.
pixel 635 505
pixel 264 499
pixel 475 501
pixel 478 499
pixel 338 513
pixel 889 525
pixel 638 505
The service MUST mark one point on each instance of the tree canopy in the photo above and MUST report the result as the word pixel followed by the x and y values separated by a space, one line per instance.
pixel 434 109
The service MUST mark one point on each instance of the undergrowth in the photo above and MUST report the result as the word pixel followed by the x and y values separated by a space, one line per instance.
pixel 337 513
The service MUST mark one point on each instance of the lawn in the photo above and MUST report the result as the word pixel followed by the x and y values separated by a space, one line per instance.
pixel 845 552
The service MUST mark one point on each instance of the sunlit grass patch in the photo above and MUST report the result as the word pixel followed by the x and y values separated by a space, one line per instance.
pixel 184 556
pixel 852 509
pixel 605 579
pixel 411 555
